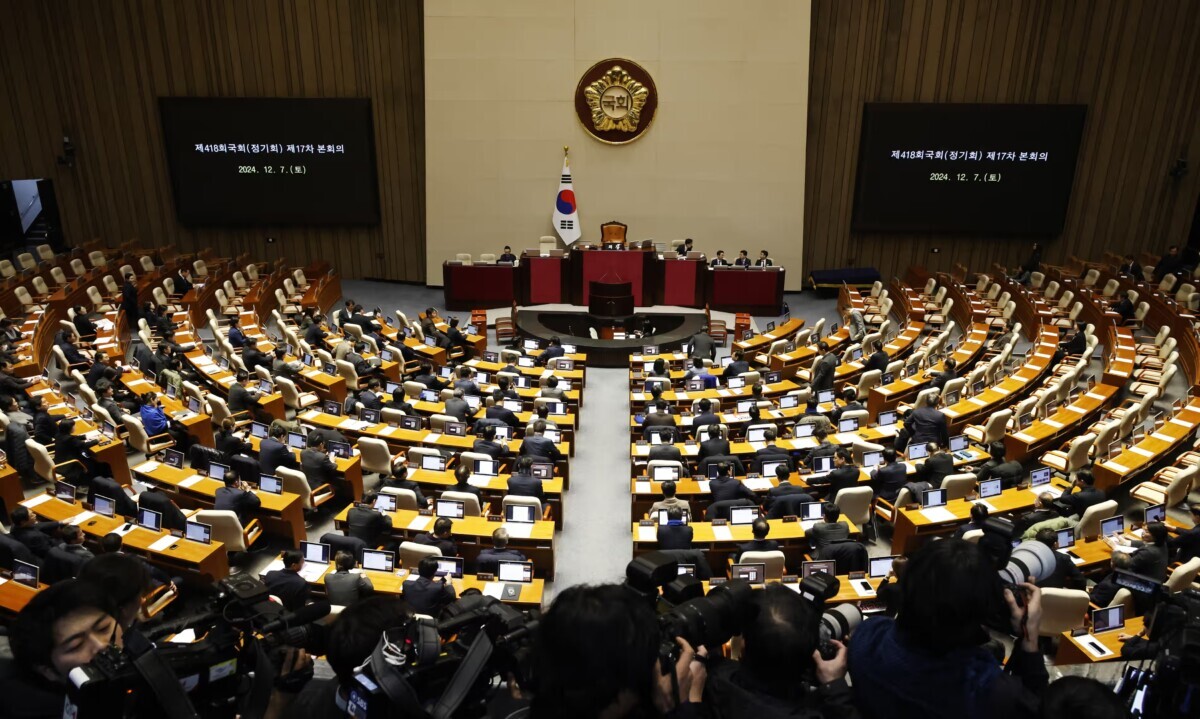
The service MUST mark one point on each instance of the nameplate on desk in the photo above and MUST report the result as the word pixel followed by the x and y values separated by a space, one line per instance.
pixel 418 523
pixel 162 544
pixel 938 514
pixel 81 518
pixel 722 533
pixel 35 501
pixel 146 467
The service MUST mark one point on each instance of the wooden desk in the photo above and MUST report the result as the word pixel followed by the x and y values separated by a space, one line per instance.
pixel 1154 448
pixel 888 397
pixel 199 426
pixel 14 596
pixel 494 488
pixel 1066 422
pixel 1020 383
pixel 1071 651
pixel 790 535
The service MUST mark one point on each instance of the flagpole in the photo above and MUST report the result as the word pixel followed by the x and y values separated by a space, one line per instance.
pixel 567 155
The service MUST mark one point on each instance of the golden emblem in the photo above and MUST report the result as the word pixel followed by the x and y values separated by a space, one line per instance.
pixel 616 101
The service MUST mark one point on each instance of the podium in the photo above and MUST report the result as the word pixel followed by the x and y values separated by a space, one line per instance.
pixel 610 299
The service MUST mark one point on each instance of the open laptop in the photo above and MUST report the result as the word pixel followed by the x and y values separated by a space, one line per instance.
pixel 742 515
pixel 385 502
pixel 822 465
pixel 449 567
pixel 933 498
pixel 849 424
pixel 990 488
pixel 173 458
pixel 880 567
pixel 104 506
pixel 270 484
pixel 958 447
pixel 824 566
pixel 664 473
pixel 25 573
pixel 486 467
pixel 452 508
pixel 149 519
pixel 378 560
pixel 521 572
pixel 1108 619
pixel 433 462
pixel 520 513
pixel 752 573
pixel 315 552
pixel 1156 513
pixel 198 532
pixel 917 450
pixel 1112 526
pixel 64 491
pixel 663 519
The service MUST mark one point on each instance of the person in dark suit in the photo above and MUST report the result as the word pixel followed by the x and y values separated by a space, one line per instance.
pixel 342 586
pixel 155 499
pixel 504 390
pixel 937 466
pixel 536 445
pixel 462 475
pixel 927 424
pixel 1132 268
pixel 830 530
pixel 236 497
pixel 1169 264
pixel 400 480
pixel 486 444
pixel 888 479
pixel 522 483
pixel 368 325
pixel 1082 493
pixel 979 516
pixel 343 315
pixel 274 453
pixel 1008 472
pixel 439 537
pixel 760 528
pixel 702 346
pixel 286 583
pixel 715 446
pixel 499 412
pixel 674 534
pixel 129 300
pixel 1151 557
pixel 507 255
pixel 84 325
pixel 489 559
pixel 316 333
pixel 37 536
pixel 457 406
pixel 738 366
pixel 458 339
pixel 183 282
pixel 772 452
pixel 844 475
pixel 850 398
pixel 229 441
pixel 719 260
pixel 553 350
pixel 724 487
pixel 426 595
pixel 949 372
pixel 1031 265
pixel 367 523
pixel 318 468
pixel 241 397
pixel 101 368
pixel 44 424
pixel 704 417
pixel 553 391
pixel 1187 543
pixel 763 260
pixel 824 369
pixel 665 451
pixel 237 337
pixel 1065 575
pixel 465 383
pixel 1043 509
pixel 370 397
pixel 69 447
pixel 743 259
pixel 878 359
pixel 660 417
pixel 785 488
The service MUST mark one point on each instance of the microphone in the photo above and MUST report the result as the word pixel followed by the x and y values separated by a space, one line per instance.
pixel 304 615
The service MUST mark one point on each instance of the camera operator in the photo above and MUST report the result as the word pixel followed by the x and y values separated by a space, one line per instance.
pixel 930 660
pixel 779 663
pixel 63 627
pixel 596 655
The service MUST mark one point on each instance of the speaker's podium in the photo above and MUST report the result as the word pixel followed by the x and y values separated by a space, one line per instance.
pixel 610 299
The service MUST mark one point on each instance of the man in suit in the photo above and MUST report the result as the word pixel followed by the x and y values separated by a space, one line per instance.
pixel 183 282
pixel 254 358
pixel 660 417
pixel 501 413
pixel 274 453
pixel 760 528
pixel 856 325
pixel 368 325
pixel 763 259
pixel 725 487
pixel 318 468
pixel 102 368
pixel 949 372
pixel 824 369
pixel 669 500
pixel 1043 509
pixel 343 315
pixel 465 381
pixel 342 586
pixel 237 497
pixel 1169 264
pixel 155 499
pixel 433 335
pixel 286 583
pixel 674 534
pixel 785 488
pixel 425 594
pixel 317 332
pixel 665 451
pixel 458 339
pixel 507 255
pixel 504 390
pixel 844 475
pixel 367 523
pixel 439 537
pixel 486 444
pixel 553 350
pixel 72 549
pixel 370 397
pixel 536 445
pixel 457 406
pixel 1082 492
pixel 400 480
pixel 427 377
pixel 888 479
pixel 850 398
pixel 743 259
pixel 772 452
pixel 84 327
pixel 241 397
pixel 1065 575
pixel 123 505
pixel 738 366
pixel 702 346
pixel 1187 543
pixel 1132 268
pixel 237 338
pixel 37 536
pixel 489 559
pixel 937 466
pixel 927 424
pixel 462 478
pixel 719 260
pixel 129 300
pixel 522 483
pixel 552 390
pixel 1005 336
pixel 705 416
pixel 878 359
pixel 830 530
pixel 1009 472
pixel 715 446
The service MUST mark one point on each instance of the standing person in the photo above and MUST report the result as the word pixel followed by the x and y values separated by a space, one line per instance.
pixel 824 369
pixel 129 300
pixel 927 424
pixel 1031 265
pixel 855 323
pixel 702 346
pixel 1169 264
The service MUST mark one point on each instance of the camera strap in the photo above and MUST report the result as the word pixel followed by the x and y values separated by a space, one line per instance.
pixel 165 685
pixel 463 680
pixel 398 690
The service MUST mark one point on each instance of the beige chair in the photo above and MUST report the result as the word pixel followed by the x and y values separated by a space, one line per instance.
pixel 413 390
pixel 1089 523
pixel 25 259
pixel 43 465
pixel 27 301
pixel 141 441
pixel 1183 575
pixel 463 257
pixel 376 456
pixel 7 271
pixel 958 486
pixel 438 422
pixel 856 504
pixel 45 252
pixel 405 498
pixel 293 397
pixel 59 277
pixel 868 381
pixel 1170 486
pixel 773 560
pixel 412 553
pixel 228 530
pixel 471 506
pixel 347 372
pixel 294 481
pixel 146 263
pixel 1063 610
pixel 1073 458
pixel 487 258
pixel 78 268
pixel 990 431
pixel 532 502
pixel 1124 598
pixel 973 536
pixel 219 412
pixel 200 268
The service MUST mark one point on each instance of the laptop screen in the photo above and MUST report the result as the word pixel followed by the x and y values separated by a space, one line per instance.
pixel 450 567
pixel 542 470
pixel 1108 619
pixel 770 468
pixel 385 502
pixel 990 488
pixel 1112 525
pixel 1065 538
pixel 736 382
pixel 1156 513
pixel 880 566
pixel 664 473
pixel 742 515
pixel 822 464
pixel 825 566
pixel 752 573
pixel 849 424
pixel 758 434
pixel 378 561
pixel 64 491
pixel 789 401
pixel 811 510
pixel 104 506
pixel 872 459
pixel 332 406
pixel 297 440
pixel 515 572
pixel 25 573
pixel 258 429
pixel 452 508
pixel 340 449
pixel 803 430
pixel 193 405
pixel 1039 476
pixel 933 498
pixel 370 416
pixel 522 513
pixel 410 422
pixel 316 552
pixel 487 467
pixel 149 519
pixel 270 484
pixel 173 458
pixel 456 429
pixel 825 396
pixel 198 532
pixel 433 462
pixel 918 451
pixel 958 443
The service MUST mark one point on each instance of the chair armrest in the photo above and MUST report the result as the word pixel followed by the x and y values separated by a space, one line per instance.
pixel 161 434
pixel 70 461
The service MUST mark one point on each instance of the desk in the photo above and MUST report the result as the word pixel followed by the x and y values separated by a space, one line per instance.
pixel 14 596
pixel 637 267
pixel 753 290
pixel 467 287
pixel 1065 422
pixel 542 280
pixel 1071 651
pixel 888 397
pixel 911 526
pixel 790 535
pixel 1021 382
pixel 683 282
pixel 1152 449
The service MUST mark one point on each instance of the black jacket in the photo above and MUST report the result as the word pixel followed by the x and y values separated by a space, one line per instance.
pixel 1024 522
pixel 428 596
pixel 489 559
pixel 784 489
pixel 823 372
pixel 732 692
pixel 231 443
pixel 410 485
pixel 936 468
pixel 37 536
pixel 757 545
pixel 492 449
pixel 1080 500
pixel 888 480
pixel 237 501
pixel 290 587
pixel 837 480
pixel 504 414
pixel 447 546
pixel 1065 575
pixel 772 453
pixel 273 454
pixel 241 399
pixel 1187 543
pixel 927 424
pixel 524 485
pixel 674 536
pixel 665 451
pixel 878 360
pixel 713 448
pixel 539 446
pixel 318 468
pixel 367 524
pixel 725 488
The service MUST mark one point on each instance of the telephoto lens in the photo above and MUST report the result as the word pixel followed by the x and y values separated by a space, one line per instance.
pixel 840 622
pixel 1029 559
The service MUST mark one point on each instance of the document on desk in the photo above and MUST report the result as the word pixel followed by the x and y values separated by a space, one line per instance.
pixel 725 392
pixel 641 487
pixel 190 481
pixel 1143 452
pixel 227 380
pixel 1093 646
pixel 493 589
pixel 519 530
pixel 757 445
pixel 432 437
pixel 938 514
pixel 419 523
pixel 35 501
pixel 273 566
pixel 722 534
pixel 703 484
pixel 758 483
pixel 389 431
pixel 146 467
pixel 639 396
pixel 310 414
pixel 647 534
pixel 682 394
pixel 476 480
pixel 81 517
pixel 313 572
pixel 164 542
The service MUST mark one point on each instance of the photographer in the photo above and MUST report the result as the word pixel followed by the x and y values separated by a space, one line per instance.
pixel 779 663
pixel 930 661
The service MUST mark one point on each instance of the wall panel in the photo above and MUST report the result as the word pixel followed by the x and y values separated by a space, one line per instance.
pixel 1135 64
pixel 96 69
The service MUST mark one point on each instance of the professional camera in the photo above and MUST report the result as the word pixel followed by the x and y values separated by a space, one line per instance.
pixel 449 668
pixel 1168 686
pixel 242 632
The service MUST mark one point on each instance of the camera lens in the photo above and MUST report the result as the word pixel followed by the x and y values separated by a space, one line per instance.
pixel 840 621
pixel 1029 559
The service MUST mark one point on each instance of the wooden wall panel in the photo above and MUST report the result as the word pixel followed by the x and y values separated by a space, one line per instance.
pixel 1136 65
pixel 96 69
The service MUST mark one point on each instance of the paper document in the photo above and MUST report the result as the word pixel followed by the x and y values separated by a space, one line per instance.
pixel 493 589
pixel 146 467
pixel 938 514
pixel 862 588
pixel 641 487
pixel 432 437
pixel 478 481
pixel 419 523
pixel 519 530
pixel 187 636
pixel 758 483
pixel 190 481
pixel 162 544
pixel 647 534
pixel 81 517
pixel 35 501
pixel 723 534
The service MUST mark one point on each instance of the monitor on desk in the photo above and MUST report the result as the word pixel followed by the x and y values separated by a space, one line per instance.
pixel 222 362
pixel 887 378
pixel 504 433
pixel 25 573
pixel 486 467
pixel 171 392
pixel 812 511
pixel 825 396
pixel 1024 420
pixel 385 502
pixel 173 458
pixel 990 488
pixel 445 372
pixel 265 386
pixel 664 519
pixel 933 498
pixel 800 431
pixel 259 430
pixel 757 434
pixel 649 349
pixel 316 552
pixel 978 387
pixel 823 566
pixel 449 567
pixel 521 572
pixel 687 570
pixel 556 407
pixel 297 440
pixel 735 382
pixel 768 468
pixel 742 515
pixel 958 443
pixel 543 470
pixel 526 361
pixel 217 471
pixel 270 484
pixel 370 416
pixel 822 465
pixel 152 377
pixel 329 368
pixel 747 335
pixel 520 513
pixel 872 459
pixel 951 398
pixel 340 449
pixel 513 405
pixel 108 429
pixel 856 354
pixel 880 567
pixel 788 401
pixel 887 419
pixel 751 573
pixel 1065 538
pixel 1156 513
pixel 378 560
pixel 917 450
pixel 392 387
pixel 1112 525
pixel 64 491
pixel 530 345
pixel 1107 619
pixel 386 355
pixel 149 519
pixel 774 377
pixel 848 424
pixel 411 422
pixel 663 473
pixel 307 360
pixel 452 508
pixel 104 506
pixel 429 395
pixel 695 384
pixel 433 462
pixel 198 532
pixel 481 377
pixel 456 429
pixel 472 401
pixel 1039 476
pixel 193 405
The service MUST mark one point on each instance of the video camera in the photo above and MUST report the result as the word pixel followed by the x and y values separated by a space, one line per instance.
pixel 1166 683
pixel 243 631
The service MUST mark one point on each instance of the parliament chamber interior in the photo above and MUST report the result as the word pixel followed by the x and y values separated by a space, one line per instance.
pixel 847 368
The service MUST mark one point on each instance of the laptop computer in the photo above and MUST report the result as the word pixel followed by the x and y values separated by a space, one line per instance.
pixel 385 502
pixel 378 560
pixel 824 566
pixel 149 519
pixel 449 567
pixel 880 567
pixel 1108 619
pixel 198 532
pixel 270 484
pixel 315 552
pixel 933 498
pixel 452 508
pixel 917 450
pixel 752 573
pixel 990 488
pixel 173 458
pixel 104 506
pixel 520 513
pixel 742 515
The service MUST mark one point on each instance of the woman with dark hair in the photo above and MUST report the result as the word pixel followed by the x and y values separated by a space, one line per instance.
pixel 230 442
pixel 72 448
pixel 930 661
pixel 1151 557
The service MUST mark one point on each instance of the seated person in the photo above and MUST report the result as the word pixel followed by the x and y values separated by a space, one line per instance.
pixel 439 537
pixel 424 593
pixel 675 534
pixel 937 466
pixel 462 483
pixel 345 587
pixel 489 559
pixel 486 444
pixel 845 475
pixel 522 483
pixel 1082 493
pixel 507 255
pixel 286 583
pixel 760 528
pixel 536 445
pixel 365 522
pixel 669 500
pixel 1187 542
pixel 832 529
pixel 979 515
pixel 851 404
pixel 889 478
pixel 723 487
pixel 1065 575
pixel 400 480
pixel 1008 472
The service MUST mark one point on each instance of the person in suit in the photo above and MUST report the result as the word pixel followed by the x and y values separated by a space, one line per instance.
pixel 949 372
pixel 760 528
pixel 669 500
pixel 785 488
pixel 489 559
pixel 1008 472
pixel 855 324
pixel 1151 557
pixel 343 315
pixel 241 397
pixel 343 587
pixel 274 453
pixel 684 248
pixel 439 537
pixel 84 325
pixel 507 255
pixel 465 381
pixel 367 523
pixel 433 335
pixel 725 487
pixel 237 497
pixel 888 479
pixel 824 369
pixel 108 487
pixel 1065 575
pixel 851 404
pixel 499 412
pixel 400 480
pixel 702 346
pixel 738 366
pixel 157 500
pixel 462 476
pixel 229 441
pixel 1082 493
pixel 370 396
pixel 675 534
pixel 927 424
pixel 979 515
pixel 237 337
pixel 1043 509
pixel 504 390
pixel 458 339
pixel 719 260
pixel 763 259
pixel 129 300
pixel 705 416
pixel 845 475
pixel 665 451
pixel 1031 265
pixel 365 323
pixel 457 406
pixel 102 368
pixel 772 452
pixel 552 390
pixel 1169 264
pixel 1186 544
pixel 486 444
pixel 554 349
pixel 318 468
pixel 425 594
pixel 183 282
pixel 72 547
pixel 44 424
pixel 660 417
pixel 830 530
pixel 427 377
pixel 937 466
pixel 38 537
pixel 536 445
pixel 286 583
pixel 877 359
pixel 317 332
pixel 743 259
pixel 1075 345
pixel 1131 267
pixel 522 483
pixel 715 446
pixel 69 447
pixel 1002 339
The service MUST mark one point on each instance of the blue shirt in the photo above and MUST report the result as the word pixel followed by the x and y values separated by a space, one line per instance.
pixel 154 420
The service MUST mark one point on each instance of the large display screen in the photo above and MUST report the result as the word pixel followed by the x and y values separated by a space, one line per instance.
pixel 271 161
pixel 973 169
